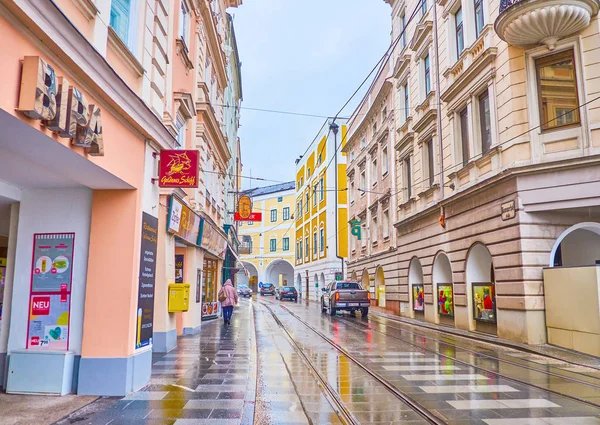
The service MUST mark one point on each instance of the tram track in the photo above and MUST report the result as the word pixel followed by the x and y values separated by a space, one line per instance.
pixel 414 405
pixel 362 326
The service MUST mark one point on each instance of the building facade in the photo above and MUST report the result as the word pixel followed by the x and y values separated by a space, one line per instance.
pixel 98 90
pixel 495 145
pixel 267 247
pixel 321 211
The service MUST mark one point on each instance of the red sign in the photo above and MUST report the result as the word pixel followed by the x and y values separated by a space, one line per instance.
pixel 178 168
pixel 40 306
pixel 255 216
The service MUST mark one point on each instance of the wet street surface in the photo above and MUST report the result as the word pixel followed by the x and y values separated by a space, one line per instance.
pixel 287 363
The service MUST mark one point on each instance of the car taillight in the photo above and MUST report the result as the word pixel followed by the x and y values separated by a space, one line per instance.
pixel 337 296
pixel 368 295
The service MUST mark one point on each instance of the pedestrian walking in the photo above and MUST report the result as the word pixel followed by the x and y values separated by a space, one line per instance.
pixel 228 297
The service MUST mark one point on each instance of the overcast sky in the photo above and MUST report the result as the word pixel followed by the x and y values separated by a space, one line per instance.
pixel 304 56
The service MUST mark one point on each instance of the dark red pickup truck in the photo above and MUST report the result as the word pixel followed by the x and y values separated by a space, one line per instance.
pixel 345 295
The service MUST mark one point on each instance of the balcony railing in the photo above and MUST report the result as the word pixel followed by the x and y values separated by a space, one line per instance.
pixel 245 250
pixel 505 4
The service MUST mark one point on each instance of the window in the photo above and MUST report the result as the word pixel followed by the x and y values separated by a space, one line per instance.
pixel 286 213
pixel 386 224
pixel 427 69
pixel 308 173
pixel 479 19
pixel 300 208
pixel 384 114
pixel 315 188
pixel 351 194
pixel 374 128
pixel 485 122
pixel 557 90
pixel 406 102
pixel 286 244
pixel 351 156
pixel 120 14
pixel 374 171
pixel 273 216
pixel 402 29
pixel 407 178
pixel 322 193
pixel 184 23
pixel 429 153
pixel 306 248
pixel 315 243
pixel 384 161
pixel 362 184
pixel 280 199
pixel 460 35
pixel 299 254
pixel 363 142
pixel 322 236
pixel 464 135
pixel 374 229
pixel 307 202
pixel 181 129
pixel 320 159
pixel 250 223
pixel 273 245
pixel 423 7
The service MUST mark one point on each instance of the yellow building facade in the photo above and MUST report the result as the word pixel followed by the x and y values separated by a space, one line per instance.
pixel 267 247
pixel 322 211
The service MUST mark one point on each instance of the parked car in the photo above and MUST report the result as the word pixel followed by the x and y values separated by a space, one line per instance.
pixel 288 292
pixel 345 295
pixel 244 291
pixel 267 289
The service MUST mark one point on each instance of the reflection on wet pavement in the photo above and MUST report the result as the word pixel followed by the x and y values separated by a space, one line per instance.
pixel 439 376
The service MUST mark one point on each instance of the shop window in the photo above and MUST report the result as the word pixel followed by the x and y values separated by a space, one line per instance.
pixel 558 98
pixel 286 213
pixel 485 124
pixel 286 244
pixel 460 34
pixel 273 216
pixel 464 135
pixel 479 18
pixel 273 245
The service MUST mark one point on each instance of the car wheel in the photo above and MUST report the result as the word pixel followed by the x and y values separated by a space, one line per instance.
pixel 323 308
pixel 364 312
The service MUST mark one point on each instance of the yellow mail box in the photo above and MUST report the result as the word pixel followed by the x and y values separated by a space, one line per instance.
pixel 179 297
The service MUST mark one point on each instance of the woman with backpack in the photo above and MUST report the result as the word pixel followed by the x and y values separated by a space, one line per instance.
pixel 228 297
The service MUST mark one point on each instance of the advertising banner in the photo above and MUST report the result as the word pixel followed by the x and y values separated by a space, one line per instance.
pixel 147 280
pixel 49 322
pixel 52 262
pixel 418 297
pixel 178 168
pixel 183 222
pixel 179 258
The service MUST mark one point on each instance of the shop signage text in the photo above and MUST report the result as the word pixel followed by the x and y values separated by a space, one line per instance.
pixel 60 106
pixel 183 222
pixel 147 280
pixel 253 216
pixel 178 168
pixel 508 210
pixel 213 240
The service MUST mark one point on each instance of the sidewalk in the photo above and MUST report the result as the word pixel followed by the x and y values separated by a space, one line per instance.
pixel 209 379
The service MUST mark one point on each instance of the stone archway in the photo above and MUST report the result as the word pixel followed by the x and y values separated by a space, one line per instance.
pixel 280 273
pixel 481 289
pixel 380 287
pixel 443 289
pixel 252 279
pixel 416 289
pixel 365 280
pixel 299 285
pixel 578 246
pixel 322 281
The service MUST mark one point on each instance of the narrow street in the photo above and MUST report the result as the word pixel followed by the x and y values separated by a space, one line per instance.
pixel 287 363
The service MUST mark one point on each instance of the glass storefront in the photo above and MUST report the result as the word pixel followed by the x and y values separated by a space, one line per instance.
pixel 210 307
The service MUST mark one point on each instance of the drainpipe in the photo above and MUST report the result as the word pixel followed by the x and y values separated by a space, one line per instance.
pixel 438 97
pixel 334 128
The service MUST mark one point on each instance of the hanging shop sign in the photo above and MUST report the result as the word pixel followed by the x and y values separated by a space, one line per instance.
pixel 147 280
pixel 60 106
pixel 244 207
pixel 213 240
pixel 50 291
pixel 484 302
pixel 179 258
pixel 418 297
pixel 178 168
pixel 445 299
pixel 183 222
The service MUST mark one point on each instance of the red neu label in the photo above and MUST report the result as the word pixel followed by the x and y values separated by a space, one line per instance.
pixel 178 168
pixel 35 340
pixel 40 306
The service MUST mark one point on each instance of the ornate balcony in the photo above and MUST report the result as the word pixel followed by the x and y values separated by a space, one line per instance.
pixel 530 22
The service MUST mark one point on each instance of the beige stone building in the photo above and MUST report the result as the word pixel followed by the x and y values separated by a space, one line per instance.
pixel 492 137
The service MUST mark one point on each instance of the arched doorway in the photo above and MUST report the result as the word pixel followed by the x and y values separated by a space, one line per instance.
pixel 252 279
pixel 416 289
pixel 443 289
pixel 365 282
pixel 481 289
pixel 578 246
pixel 299 285
pixel 354 276
pixel 316 287
pixel 322 281
pixel 279 272
pixel 380 287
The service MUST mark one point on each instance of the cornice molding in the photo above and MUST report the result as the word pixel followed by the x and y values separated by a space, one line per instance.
pixel 87 8
pixel 214 43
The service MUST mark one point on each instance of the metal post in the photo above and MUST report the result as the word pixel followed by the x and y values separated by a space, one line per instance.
pixel 334 128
